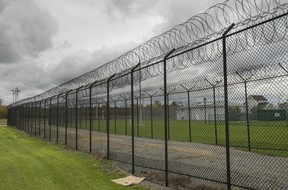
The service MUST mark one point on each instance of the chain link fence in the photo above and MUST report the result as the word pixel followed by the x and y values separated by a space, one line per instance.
pixel 212 114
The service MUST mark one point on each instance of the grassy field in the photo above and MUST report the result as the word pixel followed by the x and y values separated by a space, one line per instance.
pixel 263 135
pixel 30 163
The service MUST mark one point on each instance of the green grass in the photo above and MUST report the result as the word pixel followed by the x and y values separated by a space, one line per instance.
pixel 263 134
pixel 30 163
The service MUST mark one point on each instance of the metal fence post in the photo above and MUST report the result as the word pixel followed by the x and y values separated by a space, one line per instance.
pixel 214 109
pixel 226 107
pixel 205 119
pixel 31 119
pixel 39 120
pixel 189 116
pixel 115 122
pixel 50 117
pixel 57 118
pixel 18 115
pixel 10 117
pixel 247 108
pixel 168 110
pixel 22 117
pixel 166 116
pixel 126 115
pixel 76 117
pixel 151 113
pixel 132 116
pixel 28 117
pixel 151 117
pixel 44 130
pixel 35 126
pixel 247 116
pixel 137 115
pixel 16 118
pixel 25 117
pixel 282 67
pixel 108 116
pixel 189 110
pixel 115 117
pixel 66 115
pixel 90 116
pixel 99 116
pixel 215 117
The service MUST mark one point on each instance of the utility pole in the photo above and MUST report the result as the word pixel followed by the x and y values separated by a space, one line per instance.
pixel 15 94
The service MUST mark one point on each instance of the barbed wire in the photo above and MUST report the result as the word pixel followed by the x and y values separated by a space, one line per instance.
pixel 193 33
pixel 273 71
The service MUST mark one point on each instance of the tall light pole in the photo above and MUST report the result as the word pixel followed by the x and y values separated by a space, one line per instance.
pixel 15 94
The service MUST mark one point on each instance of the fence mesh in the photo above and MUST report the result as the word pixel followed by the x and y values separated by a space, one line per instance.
pixel 201 114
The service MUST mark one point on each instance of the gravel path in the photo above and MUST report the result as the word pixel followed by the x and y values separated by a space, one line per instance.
pixel 194 159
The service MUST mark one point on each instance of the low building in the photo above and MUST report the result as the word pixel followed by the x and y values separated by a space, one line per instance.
pixel 205 111
pixel 257 102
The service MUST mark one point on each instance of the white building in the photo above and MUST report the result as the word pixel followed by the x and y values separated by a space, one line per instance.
pixel 257 101
pixel 198 111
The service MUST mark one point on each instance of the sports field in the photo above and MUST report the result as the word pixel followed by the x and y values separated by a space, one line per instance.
pixel 266 137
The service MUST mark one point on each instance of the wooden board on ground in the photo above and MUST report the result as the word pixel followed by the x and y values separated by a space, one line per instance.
pixel 129 180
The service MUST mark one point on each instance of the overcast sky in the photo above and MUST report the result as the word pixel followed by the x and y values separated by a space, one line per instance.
pixel 45 43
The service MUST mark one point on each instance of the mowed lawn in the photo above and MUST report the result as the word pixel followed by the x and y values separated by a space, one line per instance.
pixel 266 137
pixel 30 163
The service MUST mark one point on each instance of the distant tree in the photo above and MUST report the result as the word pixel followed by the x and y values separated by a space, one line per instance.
pixel 234 112
pixel 283 106
pixel 157 104
pixel 3 110
pixel 174 104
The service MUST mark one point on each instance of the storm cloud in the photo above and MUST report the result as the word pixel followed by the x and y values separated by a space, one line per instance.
pixel 171 12
pixel 52 42
pixel 26 29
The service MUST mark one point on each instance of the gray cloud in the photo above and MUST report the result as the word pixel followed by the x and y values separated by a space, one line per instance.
pixel 129 8
pixel 29 34
pixel 81 62
pixel 172 12
pixel 176 12
pixel 25 30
